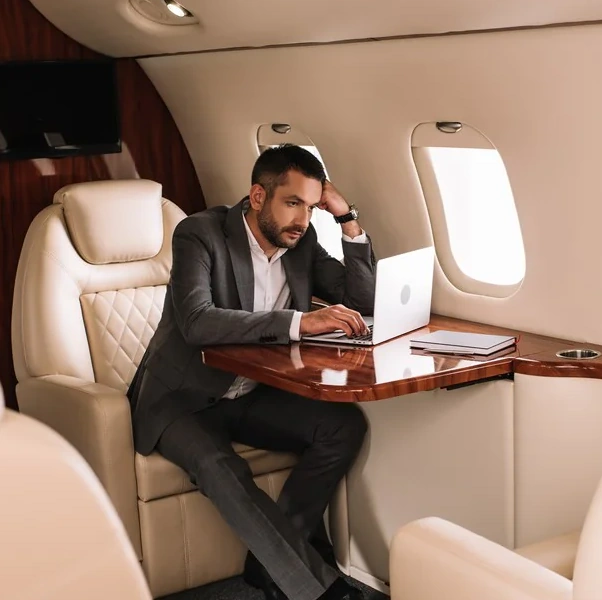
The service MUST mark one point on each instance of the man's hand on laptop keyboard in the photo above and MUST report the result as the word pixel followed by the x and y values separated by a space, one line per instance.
pixel 333 318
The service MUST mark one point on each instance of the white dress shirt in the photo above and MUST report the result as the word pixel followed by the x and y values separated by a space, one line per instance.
pixel 271 292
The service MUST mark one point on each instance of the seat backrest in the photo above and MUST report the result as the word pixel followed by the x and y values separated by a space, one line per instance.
pixel 60 535
pixel 587 575
pixel 91 281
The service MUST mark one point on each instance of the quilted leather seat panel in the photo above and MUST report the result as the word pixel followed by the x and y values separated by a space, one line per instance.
pixel 119 325
pixel 159 478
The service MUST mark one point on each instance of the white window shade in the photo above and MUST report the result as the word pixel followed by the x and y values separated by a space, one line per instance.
pixel 472 211
pixel 328 231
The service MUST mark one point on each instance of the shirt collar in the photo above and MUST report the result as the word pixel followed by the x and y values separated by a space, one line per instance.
pixel 255 247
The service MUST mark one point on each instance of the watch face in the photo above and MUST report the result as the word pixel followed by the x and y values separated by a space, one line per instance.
pixel 354 212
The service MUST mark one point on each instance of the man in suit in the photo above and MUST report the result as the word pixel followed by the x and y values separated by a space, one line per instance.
pixel 247 275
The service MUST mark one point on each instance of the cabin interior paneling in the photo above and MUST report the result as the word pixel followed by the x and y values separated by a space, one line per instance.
pixel 515 460
pixel 152 149
pixel 371 98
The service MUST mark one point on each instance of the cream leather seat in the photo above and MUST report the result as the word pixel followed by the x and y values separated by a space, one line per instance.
pixel 433 559
pixel 88 296
pixel 557 554
pixel 60 537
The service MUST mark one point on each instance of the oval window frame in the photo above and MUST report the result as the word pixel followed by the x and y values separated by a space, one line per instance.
pixel 427 135
pixel 268 138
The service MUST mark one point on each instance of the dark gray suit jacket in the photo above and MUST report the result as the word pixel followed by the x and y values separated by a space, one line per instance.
pixel 209 301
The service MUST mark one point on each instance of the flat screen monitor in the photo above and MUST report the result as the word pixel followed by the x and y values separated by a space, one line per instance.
pixel 50 109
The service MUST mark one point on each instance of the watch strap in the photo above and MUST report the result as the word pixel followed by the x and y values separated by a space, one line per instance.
pixel 350 216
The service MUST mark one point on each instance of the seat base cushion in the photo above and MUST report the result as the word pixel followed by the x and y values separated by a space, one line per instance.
pixel 557 554
pixel 186 543
pixel 159 478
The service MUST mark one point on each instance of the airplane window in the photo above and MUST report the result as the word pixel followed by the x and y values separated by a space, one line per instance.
pixel 472 210
pixel 484 232
pixel 329 233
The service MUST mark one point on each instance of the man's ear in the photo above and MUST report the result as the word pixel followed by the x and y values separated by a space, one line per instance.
pixel 257 196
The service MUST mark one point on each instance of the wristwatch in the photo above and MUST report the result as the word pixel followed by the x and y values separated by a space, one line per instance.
pixel 352 215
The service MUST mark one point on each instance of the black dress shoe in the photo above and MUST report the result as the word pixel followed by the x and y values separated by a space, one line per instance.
pixel 341 590
pixel 256 576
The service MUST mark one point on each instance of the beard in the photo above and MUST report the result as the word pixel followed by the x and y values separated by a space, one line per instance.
pixel 273 233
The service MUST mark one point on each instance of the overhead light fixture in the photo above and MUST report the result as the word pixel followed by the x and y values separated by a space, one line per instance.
pixel 164 12
pixel 177 9
pixel 449 126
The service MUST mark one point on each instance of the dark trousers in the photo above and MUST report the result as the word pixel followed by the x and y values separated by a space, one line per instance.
pixel 325 435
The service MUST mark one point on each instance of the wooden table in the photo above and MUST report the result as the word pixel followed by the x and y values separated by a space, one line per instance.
pixel 363 374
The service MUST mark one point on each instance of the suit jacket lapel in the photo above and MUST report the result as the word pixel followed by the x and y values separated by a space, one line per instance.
pixel 240 255
pixel 295 263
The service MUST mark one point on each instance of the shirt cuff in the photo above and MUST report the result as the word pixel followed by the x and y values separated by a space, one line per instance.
pixel 294 333
pixel 362 238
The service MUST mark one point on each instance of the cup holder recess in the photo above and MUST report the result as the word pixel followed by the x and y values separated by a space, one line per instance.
pixel 578 354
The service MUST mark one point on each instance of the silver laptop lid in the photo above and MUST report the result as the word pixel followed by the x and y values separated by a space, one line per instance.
pixel 402 300
pixel 404 286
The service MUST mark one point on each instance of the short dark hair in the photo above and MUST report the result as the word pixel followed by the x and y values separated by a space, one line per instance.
pixel 271 168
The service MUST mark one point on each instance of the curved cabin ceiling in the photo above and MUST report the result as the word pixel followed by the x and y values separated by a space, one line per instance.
pixel 118 27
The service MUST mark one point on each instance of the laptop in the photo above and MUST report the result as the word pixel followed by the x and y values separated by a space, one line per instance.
pixel 402 300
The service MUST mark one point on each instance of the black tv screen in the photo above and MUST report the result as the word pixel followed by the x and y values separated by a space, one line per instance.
pixel 50 109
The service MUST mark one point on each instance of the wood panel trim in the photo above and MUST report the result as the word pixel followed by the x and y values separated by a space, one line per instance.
pixel 277 365
pixel 152 149
pixel 547 365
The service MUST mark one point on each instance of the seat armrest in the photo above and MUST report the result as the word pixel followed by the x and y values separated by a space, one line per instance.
pixel 557 554
pixel 433 559
pixel 96 420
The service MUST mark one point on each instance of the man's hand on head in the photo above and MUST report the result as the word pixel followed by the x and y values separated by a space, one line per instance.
pixel 332 201
pixel 337 206
pixel 333 318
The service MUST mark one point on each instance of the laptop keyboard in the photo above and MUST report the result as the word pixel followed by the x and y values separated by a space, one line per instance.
pixel 365 337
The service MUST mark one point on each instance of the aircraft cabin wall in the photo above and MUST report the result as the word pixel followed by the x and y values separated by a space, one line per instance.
pixel 532 93
pixel 500 457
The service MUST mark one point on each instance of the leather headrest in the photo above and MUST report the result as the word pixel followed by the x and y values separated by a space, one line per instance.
pixel 113 221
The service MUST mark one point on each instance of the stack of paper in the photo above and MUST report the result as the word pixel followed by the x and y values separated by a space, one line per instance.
pixel 461 343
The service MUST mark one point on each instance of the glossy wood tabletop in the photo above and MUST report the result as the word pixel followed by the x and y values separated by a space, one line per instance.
pixel 362 374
